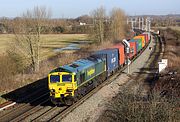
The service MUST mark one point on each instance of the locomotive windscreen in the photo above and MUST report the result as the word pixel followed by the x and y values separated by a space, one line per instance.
pixel 54 78
pixel 66 78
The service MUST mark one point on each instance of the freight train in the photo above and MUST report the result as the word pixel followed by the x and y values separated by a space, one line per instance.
pixel 69 82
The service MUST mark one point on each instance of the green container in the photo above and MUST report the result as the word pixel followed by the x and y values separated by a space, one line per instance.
pixel 139 44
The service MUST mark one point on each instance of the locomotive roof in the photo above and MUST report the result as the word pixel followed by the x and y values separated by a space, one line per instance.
pixel 81 64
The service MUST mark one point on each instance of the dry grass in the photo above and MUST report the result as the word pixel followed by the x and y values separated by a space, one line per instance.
pixel 169 82
pixel 173 55
pixel 176 28
pixel 49 42
pixel 126 107
pixel 5 40
pixel 53 41
pixel 172 44
pixel 8 70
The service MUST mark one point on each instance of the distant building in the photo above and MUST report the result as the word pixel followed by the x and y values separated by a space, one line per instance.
pixel 81 23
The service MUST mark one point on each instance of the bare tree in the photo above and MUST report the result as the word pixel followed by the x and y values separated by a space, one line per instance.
pixel 108 28
pixel 27 30
pixel 98 22
pixel 118 24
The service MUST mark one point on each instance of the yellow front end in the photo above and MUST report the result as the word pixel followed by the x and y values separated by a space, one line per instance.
pixel 61 84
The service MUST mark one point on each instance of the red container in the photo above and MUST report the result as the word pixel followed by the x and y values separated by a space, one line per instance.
pixel 146 37
pixel 120 47
pixel 133 49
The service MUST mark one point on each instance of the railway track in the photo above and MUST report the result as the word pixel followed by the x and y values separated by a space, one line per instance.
pixel 25 99
pixel 41 112
pixel 19 109
pixel 30 111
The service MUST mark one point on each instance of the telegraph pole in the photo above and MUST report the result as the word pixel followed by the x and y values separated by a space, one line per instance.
pixel 139 23
pixel 149 25
pixel 146 24
pixel 132 24
pixel 142 23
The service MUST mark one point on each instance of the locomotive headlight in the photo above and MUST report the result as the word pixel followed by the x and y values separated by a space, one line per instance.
pixel 52 90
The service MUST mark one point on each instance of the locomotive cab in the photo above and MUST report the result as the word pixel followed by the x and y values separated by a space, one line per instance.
pixel 61 85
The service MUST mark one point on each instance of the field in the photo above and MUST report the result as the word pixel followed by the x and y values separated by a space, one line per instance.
pixel 175 28
pixel 49 42
pixel 5 40
pixel 172 27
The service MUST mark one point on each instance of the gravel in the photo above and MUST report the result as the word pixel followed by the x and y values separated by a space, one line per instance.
pixel 92 108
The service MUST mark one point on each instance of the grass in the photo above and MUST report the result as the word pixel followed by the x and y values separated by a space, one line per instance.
pixel 53 41
pixel 49 42
pixel 5 40
pixel 126 107
pixel 169 82
pixel 175 28
pixel 2 100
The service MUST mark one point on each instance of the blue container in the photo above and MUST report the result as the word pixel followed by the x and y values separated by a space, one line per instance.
pixel 111 56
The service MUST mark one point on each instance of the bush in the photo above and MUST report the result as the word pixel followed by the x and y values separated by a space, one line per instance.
pixel 58 29
pixel 8 70
pixel 130 108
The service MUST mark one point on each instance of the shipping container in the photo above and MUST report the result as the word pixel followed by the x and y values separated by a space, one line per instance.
pixel 111 56
pixel 142 38
pixel 133 48
pixel 149 35
pixel 138 44
pixel 146 38
pixel 121 53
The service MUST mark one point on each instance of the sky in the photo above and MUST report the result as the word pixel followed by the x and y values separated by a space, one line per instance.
pixel 75 8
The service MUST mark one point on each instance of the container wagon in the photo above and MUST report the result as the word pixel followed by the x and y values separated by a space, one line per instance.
pixel 133 48
pixel 138 44
pixel 121 53
pixel 111 56
pixel 146 38
pixel 142 38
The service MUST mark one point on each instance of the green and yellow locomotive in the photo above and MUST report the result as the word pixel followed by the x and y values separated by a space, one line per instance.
pixel 68 82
